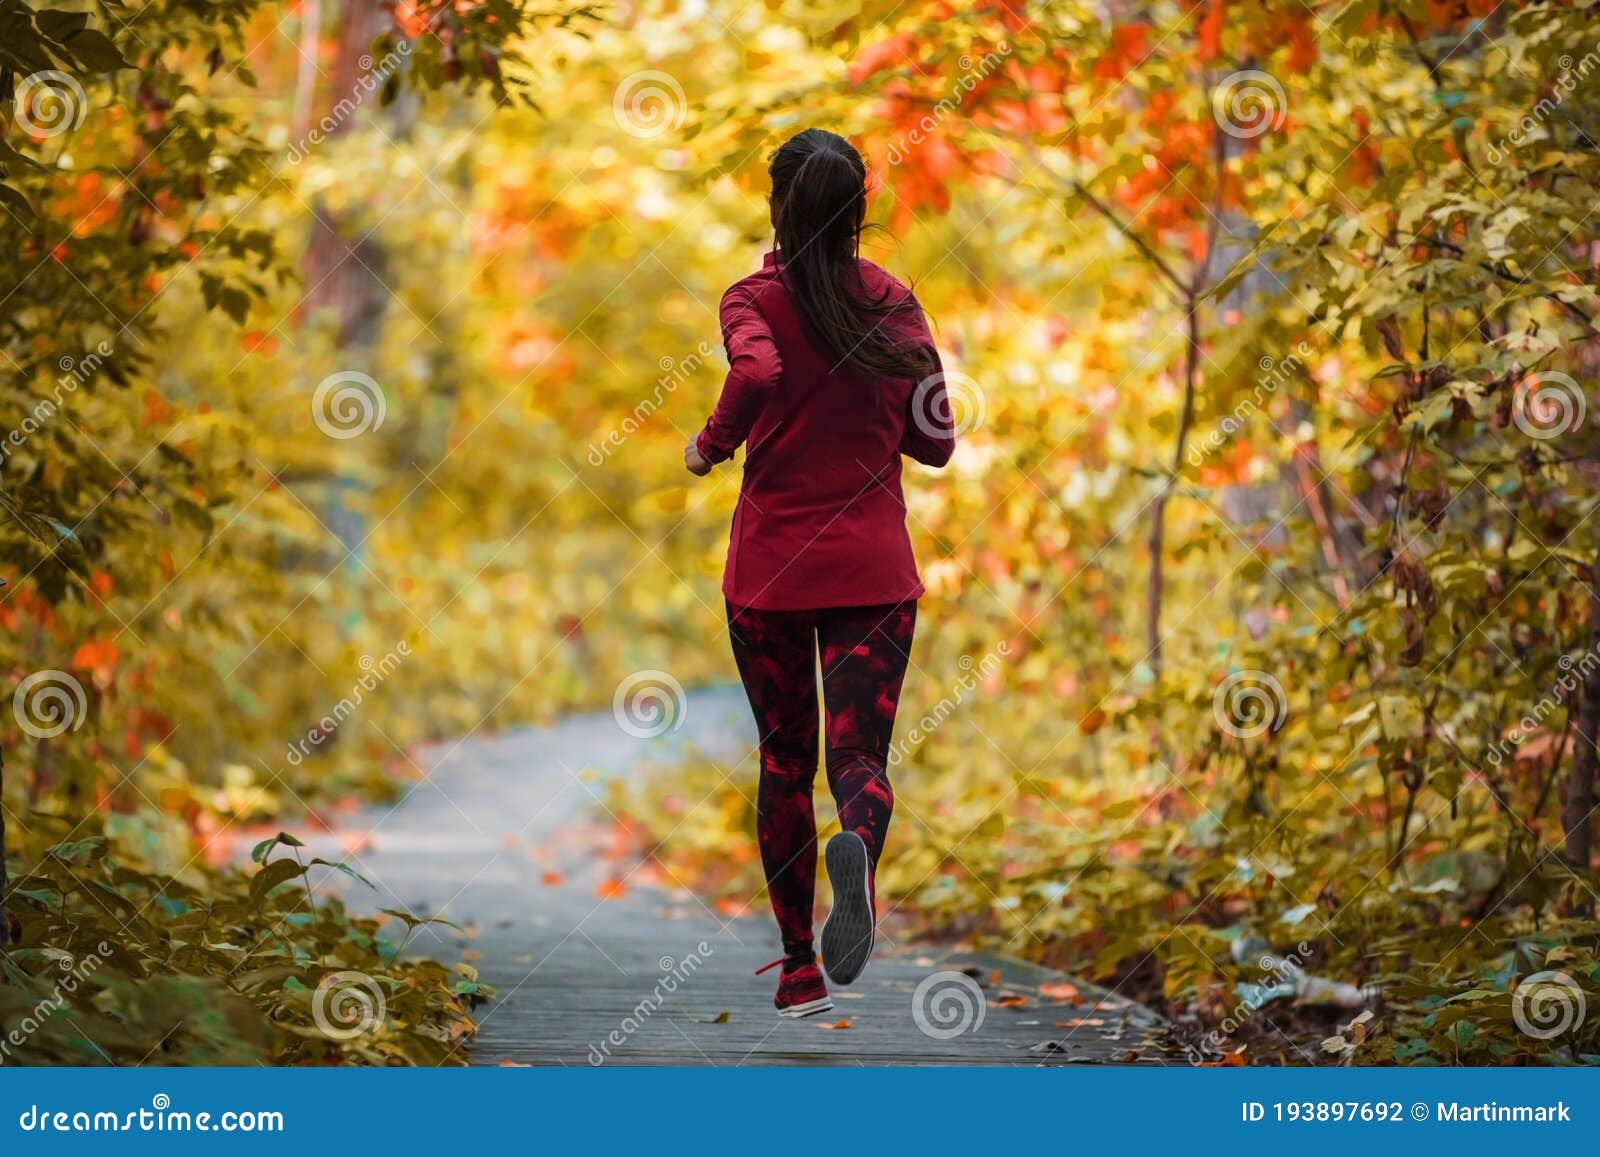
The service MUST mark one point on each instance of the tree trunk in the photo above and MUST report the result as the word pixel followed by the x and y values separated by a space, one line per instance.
pixel 344 272
pixel 1158 511
pixel 1578 801
pixel 5 887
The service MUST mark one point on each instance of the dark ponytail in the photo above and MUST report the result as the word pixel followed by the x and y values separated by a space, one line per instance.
pixel 819 201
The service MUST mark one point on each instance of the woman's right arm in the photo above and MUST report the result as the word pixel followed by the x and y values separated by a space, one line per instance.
pixel 753 371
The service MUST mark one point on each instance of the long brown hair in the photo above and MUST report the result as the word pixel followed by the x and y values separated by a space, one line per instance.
pixel 819 201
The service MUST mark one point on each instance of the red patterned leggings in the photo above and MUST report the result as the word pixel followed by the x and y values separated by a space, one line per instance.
pixel 864 652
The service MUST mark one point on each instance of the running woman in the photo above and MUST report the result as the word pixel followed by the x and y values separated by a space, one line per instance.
pixel 833 376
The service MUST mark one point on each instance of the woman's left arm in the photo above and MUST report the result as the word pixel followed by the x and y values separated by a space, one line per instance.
pixel 753 371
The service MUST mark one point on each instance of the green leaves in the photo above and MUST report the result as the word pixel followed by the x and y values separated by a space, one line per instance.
pixel 225 974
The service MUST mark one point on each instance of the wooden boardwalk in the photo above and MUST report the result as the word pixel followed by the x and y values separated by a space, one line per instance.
pixel 501 838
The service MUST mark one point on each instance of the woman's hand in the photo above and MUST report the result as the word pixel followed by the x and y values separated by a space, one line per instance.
pixel 694 463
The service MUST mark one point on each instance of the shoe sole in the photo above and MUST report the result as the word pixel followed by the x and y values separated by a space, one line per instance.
pixel 847 935
pixel 809 1008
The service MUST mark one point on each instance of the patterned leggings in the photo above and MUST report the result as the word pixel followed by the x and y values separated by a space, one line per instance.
pixel 864 652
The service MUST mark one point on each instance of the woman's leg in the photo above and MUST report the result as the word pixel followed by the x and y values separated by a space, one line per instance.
pixel 776 655
pixel 864 655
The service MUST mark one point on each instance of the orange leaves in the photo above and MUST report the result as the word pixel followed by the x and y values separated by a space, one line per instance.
pixel 411 19
pixel 98 657
pixel 1064 992
pixel 1208 33
pixel 156 411
pixel 1130 44
pixel 258 342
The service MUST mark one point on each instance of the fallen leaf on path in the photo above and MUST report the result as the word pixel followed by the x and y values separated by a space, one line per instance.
pixel 551 879
pixel 1011 1000
pixel 723 1018
pixel 1063 991
pixel 1079 1022
pixel 611 889
pixel 508 1063
pixel 838 1024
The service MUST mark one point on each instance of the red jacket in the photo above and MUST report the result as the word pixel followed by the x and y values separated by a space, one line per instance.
pixel 821 520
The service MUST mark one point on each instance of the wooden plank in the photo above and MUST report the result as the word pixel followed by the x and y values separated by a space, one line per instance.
pixel 649 978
